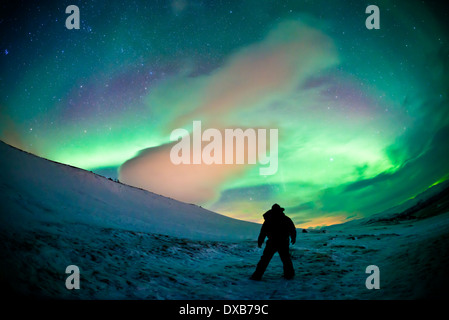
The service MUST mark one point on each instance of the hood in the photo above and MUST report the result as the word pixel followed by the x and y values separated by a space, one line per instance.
pixel 273 214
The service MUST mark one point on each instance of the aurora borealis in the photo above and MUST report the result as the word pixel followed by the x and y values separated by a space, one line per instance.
pixel 362 114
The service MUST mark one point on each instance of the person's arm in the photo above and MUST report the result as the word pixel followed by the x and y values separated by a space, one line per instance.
pixel 292 231
pixel 262 235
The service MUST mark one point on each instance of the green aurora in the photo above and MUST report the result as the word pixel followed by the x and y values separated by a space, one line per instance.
pixel 362 114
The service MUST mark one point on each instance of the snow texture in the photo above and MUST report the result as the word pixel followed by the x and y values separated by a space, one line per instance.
pixel 133 244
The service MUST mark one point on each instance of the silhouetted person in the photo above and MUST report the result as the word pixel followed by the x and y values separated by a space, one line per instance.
pixel 279 229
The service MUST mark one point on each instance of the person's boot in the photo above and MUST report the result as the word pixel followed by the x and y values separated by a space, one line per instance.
pixel 255 277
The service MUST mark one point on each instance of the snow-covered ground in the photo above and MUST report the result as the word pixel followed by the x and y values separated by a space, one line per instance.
pixel 133 244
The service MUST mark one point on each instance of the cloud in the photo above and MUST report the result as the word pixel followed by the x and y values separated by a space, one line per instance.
pixel 301 207
pixel 259 73
pixel 250 79
pixel 153 170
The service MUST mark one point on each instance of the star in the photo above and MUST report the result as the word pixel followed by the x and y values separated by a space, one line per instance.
pixel 331 87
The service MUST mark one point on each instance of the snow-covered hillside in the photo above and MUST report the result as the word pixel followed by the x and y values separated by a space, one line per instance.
pixel 132 244
pixel 33 188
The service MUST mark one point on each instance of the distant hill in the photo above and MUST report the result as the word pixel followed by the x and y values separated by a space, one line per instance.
pixel 432 202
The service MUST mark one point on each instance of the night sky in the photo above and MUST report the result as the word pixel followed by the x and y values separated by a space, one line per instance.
pixel 362 114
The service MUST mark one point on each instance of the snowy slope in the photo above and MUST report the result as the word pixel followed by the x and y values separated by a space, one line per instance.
pixel 34 188
pixel 133 244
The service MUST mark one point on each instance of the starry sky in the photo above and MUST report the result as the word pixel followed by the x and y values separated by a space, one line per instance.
pixel 362 114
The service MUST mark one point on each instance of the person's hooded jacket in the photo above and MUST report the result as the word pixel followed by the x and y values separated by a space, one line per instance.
pixel 277 227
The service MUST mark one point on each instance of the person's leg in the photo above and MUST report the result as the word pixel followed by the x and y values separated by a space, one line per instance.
pixel 264 261
pixel 284 253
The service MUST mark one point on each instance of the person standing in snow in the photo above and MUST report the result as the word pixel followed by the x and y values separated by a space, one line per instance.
pixel 279 229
